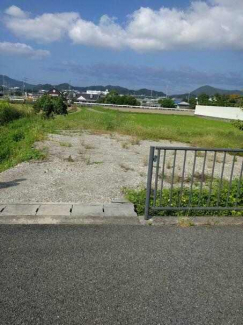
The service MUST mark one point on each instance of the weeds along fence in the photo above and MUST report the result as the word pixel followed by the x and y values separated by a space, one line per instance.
pixel 194 181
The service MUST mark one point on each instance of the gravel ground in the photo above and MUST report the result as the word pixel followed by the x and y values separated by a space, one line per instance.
pixel 91 168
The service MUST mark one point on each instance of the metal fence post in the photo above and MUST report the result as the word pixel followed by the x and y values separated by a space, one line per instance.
pixel 149 182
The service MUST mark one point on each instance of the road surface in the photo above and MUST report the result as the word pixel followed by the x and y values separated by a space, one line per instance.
pixel 121 275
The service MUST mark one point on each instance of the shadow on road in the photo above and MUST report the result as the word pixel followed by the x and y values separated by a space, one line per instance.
pixel 15 182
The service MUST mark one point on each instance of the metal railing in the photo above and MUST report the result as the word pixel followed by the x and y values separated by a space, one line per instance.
pixel 201 179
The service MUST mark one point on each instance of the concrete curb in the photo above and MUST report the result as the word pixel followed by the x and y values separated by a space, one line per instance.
pixel 67 220
pixel 119 212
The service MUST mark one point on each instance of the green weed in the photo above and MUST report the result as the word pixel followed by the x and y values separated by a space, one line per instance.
pixel 137 197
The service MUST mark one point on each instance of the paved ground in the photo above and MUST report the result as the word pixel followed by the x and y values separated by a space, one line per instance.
pixel 121 275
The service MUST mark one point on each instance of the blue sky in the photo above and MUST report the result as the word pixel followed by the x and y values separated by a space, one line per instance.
pixel 177 45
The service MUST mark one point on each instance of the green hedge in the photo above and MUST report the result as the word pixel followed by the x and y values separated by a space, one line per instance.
pixel 137 197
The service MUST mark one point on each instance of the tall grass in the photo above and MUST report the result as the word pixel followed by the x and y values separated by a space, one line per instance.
pixel 17 140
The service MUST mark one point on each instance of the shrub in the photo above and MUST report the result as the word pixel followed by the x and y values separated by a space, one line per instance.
pixel 50 106
pixel 238 124
pixel 8 113
pixel 59 106
pixel 18 136
pixel 167 103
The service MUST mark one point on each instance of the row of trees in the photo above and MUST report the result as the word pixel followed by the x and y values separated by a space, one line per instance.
pixel 204 99
pixel 169 103
pixel 221 100
pixel 114 98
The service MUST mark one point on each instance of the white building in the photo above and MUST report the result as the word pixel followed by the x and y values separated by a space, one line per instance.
pixel 97 92
pixel 183 105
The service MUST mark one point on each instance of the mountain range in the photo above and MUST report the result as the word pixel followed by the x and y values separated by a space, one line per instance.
pixel 210 91
pixel 7 81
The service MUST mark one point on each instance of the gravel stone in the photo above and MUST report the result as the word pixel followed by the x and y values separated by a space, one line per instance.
pixel 92 168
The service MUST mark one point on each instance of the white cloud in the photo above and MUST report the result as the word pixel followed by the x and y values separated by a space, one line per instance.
pixel 16 12
pixel 201 26
pixel 44 28
pixel 21 49
pixel 106 34
pixel 212 24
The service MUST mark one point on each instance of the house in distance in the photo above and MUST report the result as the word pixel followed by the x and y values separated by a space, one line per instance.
pixel 54 92
pixel 88 98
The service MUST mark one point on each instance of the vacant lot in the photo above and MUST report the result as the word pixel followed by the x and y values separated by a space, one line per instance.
pixel 79 167
pixel 17 138
pixel 93 168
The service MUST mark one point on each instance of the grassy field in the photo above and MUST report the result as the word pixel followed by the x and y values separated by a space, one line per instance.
pixel 18 137
pixel 192 130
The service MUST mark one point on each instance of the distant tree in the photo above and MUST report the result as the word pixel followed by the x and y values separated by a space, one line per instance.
pixel 167 103
pixel 192 102
pixel 203 99
pixel 18 93
pixel 240 102
pixel 50 106
pixel 114 98
pixel 223 100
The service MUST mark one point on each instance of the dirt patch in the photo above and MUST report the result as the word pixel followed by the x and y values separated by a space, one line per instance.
pixel 86 168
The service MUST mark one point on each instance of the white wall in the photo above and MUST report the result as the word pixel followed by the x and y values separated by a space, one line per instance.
pixel 229 113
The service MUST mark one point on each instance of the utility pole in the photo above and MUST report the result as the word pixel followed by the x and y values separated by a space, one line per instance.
pixel 3 85
pixel 167 91
pixel 189 97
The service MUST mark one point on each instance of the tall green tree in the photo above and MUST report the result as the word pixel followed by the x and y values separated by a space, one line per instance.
pixel 192 102
pixel 203 99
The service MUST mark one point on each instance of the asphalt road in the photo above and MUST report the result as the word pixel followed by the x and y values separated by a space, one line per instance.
pixel 121 275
